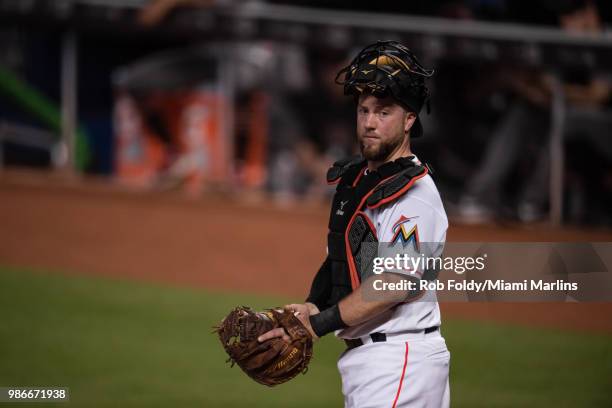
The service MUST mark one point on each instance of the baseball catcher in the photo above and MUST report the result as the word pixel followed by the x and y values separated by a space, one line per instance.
pixel 386 203
pixel 273 361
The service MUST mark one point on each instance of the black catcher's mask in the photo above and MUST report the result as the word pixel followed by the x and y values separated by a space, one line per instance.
pixel 387 68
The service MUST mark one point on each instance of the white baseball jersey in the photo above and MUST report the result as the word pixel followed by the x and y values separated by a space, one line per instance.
pixel 416 219
pixel 410 368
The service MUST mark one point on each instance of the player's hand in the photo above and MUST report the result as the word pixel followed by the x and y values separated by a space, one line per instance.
pixel 278 332
pixel 312 308
pixel 304 309
pixel 302 312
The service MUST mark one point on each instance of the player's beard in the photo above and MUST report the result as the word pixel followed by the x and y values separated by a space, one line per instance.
pixel 379 152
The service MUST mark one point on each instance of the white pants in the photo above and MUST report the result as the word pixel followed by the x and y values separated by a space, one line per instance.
pixel 409 370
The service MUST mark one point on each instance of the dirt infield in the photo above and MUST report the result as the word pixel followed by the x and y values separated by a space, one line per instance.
pixel 219 242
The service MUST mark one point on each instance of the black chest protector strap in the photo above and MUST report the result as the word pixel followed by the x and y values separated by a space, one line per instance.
pixel 395 187
pixel 346 169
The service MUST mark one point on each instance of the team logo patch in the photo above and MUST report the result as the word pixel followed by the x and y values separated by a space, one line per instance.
pixel 402 232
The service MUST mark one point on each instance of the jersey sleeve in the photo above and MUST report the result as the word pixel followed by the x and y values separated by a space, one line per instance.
pixel 320 289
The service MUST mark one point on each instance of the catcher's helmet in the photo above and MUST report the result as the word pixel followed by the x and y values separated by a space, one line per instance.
pixel 389 68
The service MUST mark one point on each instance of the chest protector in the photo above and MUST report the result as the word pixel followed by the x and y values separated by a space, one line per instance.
pixel 349 226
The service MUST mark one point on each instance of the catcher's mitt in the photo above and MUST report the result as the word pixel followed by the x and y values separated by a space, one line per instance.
pixel 274 361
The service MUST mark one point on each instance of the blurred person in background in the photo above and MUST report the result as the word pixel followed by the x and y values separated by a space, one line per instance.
pixel 325 121
pixel 316 130
pixel 155 11
pixel 141 154
pixel 523 131
pixel 326 114
pixel 295 162
pixel 588 123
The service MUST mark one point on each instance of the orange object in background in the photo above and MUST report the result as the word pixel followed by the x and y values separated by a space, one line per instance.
pixel 195 154
pixel 140 155
pixel 202 155
pixel 254 171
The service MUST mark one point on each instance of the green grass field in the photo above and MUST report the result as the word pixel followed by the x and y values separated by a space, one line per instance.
pixel 126 344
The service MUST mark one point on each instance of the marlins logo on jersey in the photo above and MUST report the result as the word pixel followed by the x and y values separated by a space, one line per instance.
pixel 404 233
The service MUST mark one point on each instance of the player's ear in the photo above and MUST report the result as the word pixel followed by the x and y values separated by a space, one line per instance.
pixel 409 119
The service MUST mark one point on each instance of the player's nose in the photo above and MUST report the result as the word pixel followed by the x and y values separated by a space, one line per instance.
pixel 369 121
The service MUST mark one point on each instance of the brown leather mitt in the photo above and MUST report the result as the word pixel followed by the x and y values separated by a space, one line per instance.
pixel 274 361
